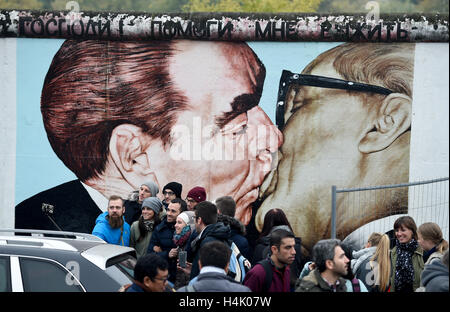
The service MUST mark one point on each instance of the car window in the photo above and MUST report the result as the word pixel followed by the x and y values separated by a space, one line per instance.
pixel 42 275
pixel 127 265
pixel 121 269
pixel 5 275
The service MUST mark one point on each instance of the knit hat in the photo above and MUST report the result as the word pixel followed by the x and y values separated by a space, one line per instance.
pixel 187 217
pixel 198 194
pixel 154 189
pixel 154 203
pixel 174 187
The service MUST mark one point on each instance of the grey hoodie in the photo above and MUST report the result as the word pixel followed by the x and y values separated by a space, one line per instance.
pixel 360 256
pixel 435 277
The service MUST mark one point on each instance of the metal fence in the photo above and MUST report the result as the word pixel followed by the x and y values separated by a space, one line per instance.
pixel 358 212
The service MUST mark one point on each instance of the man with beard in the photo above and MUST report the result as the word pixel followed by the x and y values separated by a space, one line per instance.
pixel 111 226
pixel 273 274
pixel 331 265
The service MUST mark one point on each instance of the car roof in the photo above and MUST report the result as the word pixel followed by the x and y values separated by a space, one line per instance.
pixel 89 246
pixel 70 241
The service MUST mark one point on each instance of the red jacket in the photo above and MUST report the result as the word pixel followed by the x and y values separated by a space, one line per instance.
pixel 255 278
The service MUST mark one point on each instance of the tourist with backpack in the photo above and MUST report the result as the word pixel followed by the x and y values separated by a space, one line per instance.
pixel 272 274
pixel 208 230
pixel 226 207
pixel 276 219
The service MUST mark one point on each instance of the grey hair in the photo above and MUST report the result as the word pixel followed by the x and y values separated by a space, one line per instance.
pixel 323 250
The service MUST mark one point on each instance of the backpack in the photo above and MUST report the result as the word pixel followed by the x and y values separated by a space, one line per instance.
pixel 355 285
pixel 296 266
pixel 239 265
pixel 269 274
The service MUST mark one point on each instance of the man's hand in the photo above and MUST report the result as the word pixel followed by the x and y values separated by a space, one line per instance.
pixel 157 249
pixel 173 253
pixel 187 270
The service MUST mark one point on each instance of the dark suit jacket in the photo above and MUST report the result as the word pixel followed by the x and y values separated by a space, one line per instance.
pixel 74 209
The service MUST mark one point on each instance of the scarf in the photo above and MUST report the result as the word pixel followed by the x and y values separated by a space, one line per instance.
pixel 149 224
pixel 181 239
pixel 404 270
pixel 427 254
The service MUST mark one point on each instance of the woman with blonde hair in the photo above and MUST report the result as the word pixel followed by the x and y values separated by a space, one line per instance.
pixel 434 247
pixel 375 270
pixel 359 256
pixel 432 242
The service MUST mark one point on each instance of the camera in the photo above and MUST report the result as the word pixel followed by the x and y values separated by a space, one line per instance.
pixel 48 209
pixel 182 258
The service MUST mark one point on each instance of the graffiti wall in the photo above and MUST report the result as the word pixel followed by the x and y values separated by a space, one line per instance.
pixel 272 124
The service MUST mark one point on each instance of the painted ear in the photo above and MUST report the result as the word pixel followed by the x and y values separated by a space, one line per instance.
pixel 392 120
pixel 127 147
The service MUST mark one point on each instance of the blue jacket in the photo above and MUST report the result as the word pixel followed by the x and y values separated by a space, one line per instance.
pixel 162 236
pixel 135 288
pixel 103 230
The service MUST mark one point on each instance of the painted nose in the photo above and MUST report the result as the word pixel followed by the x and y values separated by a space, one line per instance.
pixel 265 137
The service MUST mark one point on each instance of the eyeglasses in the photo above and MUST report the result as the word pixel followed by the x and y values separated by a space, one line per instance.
pixel 170 193
pixel 190 200
pixel 288 78
pixel 161 279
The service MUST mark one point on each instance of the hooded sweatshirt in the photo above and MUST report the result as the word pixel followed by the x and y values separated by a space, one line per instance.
pixel 360 256
pixel 103 230
pixel 212 232
pixel 435 277
pixel 237 234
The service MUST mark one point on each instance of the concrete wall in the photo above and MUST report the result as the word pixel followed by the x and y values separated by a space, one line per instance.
pixel 330 137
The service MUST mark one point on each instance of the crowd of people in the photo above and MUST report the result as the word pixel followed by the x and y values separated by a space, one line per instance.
pixel 188 245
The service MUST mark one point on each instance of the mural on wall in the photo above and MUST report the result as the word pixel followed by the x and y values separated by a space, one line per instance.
pixel 347 133
pixel 119 114
pixel 272 124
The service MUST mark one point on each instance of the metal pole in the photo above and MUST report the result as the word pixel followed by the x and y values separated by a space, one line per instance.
pixel 333 211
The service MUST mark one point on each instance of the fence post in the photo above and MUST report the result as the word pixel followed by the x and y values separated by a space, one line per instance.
pixel 333 211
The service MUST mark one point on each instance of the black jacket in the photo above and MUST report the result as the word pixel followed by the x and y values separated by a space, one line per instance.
pixel 74 209
pixel 162 236
pixel 237 234
pixel 212 232
pixel 133 211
